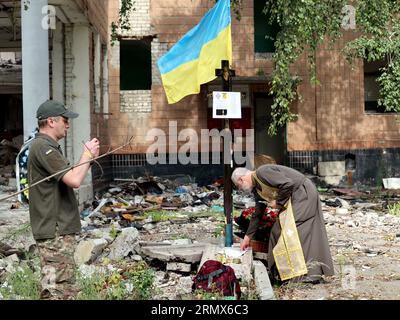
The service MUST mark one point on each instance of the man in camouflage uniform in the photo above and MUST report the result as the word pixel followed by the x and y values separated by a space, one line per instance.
pixel 53 208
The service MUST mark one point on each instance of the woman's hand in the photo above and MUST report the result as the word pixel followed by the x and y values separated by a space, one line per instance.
pixel 245 243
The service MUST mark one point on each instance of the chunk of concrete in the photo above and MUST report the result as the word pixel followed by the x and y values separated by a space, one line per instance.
pixel 332 180
pixel 9 263
pixel 263 284
pixel 89 250
pixel 183 253
pixel 391 183
pixel 260 256
pixel 179 266
pixel 184 285
pixel 124 244
pixel 181 241
pixel 331 168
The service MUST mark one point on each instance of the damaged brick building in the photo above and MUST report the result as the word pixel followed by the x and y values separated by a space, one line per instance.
pixel 338 120
pixel 118 90
pixel 63 45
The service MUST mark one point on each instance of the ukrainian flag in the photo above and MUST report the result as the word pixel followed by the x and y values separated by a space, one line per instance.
pixel 194 58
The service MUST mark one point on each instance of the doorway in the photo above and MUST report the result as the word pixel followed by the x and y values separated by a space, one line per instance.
pixel 274 146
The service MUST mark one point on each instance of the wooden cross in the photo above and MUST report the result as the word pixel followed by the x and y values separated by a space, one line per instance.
pixel 226 75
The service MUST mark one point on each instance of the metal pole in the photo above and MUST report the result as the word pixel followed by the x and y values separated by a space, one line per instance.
pixel 227 86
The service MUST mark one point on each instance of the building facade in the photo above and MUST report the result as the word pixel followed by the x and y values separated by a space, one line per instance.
pixel 338 120
pixel 63 45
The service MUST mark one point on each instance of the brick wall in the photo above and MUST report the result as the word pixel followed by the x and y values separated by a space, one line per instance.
pixel 97 13
pixel 331 116
pixel 135 101
pixel 140 19
pixel 338 121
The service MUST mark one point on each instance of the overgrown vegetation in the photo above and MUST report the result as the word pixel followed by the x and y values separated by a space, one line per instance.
pixel 127 282
pixel 161 215
pixel 123 22
pixel 379 24
pixel 394 209
pixel 23 284
pixel 305 25
pixel 200 294
pixel 249 290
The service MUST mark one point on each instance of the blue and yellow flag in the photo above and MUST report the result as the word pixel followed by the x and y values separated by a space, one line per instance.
pixel 194 58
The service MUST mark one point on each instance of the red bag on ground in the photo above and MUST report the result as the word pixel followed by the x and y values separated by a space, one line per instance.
pixel 214 276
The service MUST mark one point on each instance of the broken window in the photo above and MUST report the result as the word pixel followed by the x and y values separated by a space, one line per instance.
pixel 135 65
pixel 264 32
pixel 372 70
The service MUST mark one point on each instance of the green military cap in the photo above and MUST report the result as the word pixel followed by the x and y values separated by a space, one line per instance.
pixel 52 108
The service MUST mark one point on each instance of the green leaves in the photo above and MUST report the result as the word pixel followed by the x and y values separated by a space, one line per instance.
pixel 389 83
pixel 306 24
pixel 123 22
pixel 379 23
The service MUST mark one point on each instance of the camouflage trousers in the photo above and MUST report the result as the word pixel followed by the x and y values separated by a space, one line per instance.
pixel 57 267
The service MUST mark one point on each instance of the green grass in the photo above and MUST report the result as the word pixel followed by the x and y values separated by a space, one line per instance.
pixel 394 209
pixel 161 215
pixel 130 282
pixel 23 284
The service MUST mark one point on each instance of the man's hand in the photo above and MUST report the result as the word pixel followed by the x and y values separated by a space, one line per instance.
pixel 92 147
pixel 245 243
pixel 272 204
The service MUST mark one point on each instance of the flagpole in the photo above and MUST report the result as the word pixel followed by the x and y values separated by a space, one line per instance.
pixel 226 75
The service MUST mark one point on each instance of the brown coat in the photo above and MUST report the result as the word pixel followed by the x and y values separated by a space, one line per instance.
pixel 307 212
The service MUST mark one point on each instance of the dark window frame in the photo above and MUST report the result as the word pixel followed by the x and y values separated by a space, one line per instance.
pixel 262 28
pixel 371 106
pixel 135 64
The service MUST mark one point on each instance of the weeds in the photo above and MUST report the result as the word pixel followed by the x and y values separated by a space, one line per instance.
pixel 249 290
pixel 200 294
pixel 394 209
pixel 160 215
pixel 219 230
pixel 134 282
pixel 91 287
pixel 113 232
pixel 22 284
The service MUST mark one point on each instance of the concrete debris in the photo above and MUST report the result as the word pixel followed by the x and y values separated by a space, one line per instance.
pixel 184 285
pixel 124 244
pixel 179 267
pixel 87 251
pixel 341 211
pixel 174 225
pixel 185 253
pixel 391 183
pixel 263 284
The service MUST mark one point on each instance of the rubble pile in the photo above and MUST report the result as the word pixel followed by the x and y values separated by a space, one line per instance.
pixel 171 224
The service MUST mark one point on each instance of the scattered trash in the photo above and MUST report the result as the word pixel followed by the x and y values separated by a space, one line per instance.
pixel 168 222
pixel 391 183
pixel 16 205
pixel 218 208
pixel 333 202
pixel 342 211
pixel 348 192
